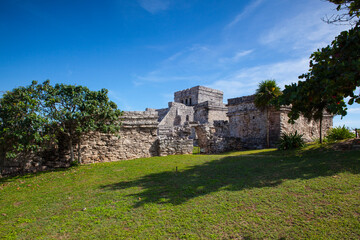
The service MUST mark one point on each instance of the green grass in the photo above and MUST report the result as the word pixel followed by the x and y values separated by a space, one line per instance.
pixel 308 194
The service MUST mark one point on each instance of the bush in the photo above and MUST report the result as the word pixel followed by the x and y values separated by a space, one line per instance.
pixel 291 141
pixel 339 133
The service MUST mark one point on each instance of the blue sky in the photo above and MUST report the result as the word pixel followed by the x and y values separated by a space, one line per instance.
pixel 144 50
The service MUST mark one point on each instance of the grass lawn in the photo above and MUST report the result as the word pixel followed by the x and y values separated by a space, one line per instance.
pixel 308 194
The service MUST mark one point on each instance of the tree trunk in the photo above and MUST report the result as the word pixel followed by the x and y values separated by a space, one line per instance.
pixel 321 130
pixel 79 149
pixel 71 149
pixel 267 128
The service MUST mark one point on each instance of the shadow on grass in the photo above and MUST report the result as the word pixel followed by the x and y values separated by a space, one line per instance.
pixel 234 173
pixel 25 175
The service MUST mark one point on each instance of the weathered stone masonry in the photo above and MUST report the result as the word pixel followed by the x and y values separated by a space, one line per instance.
pixel 137 138
pixel 197 115
pixel 248 123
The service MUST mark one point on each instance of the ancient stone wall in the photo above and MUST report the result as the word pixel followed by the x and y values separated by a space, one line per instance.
pixel 249 123
pixel 162 113
pixel 309 129
pixel 208 112
pixel 31 162
pixel 177 114
pixel 215 138
pixel 178 142
pixel 137 138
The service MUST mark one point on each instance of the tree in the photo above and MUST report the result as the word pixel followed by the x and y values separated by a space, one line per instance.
pixel 75 111
pixel 23 126
pixel 351 16
pixel 52 110
pixel 334 75
pixel 265 95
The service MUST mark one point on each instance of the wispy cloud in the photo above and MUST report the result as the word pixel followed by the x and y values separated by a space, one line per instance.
pixel 354 110
pixel 154 6
pixel 236 57
pixel 245 81
pixel 303 32
pixel 247 10
pixel 120 102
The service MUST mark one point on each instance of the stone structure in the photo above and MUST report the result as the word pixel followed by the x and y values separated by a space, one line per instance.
pixel 248 123
pixel 215 138
pixel 197 115
pixel 137 138
pixel 196 105
pixel 195 95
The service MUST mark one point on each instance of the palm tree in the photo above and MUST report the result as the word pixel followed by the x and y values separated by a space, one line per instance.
pixel 266 93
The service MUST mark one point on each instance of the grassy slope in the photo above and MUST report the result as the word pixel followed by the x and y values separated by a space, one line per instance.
pixel 254 194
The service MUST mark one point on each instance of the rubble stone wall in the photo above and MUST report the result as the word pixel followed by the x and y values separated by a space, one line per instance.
pixel 208 112
pixel 214 138
pixel 249 123
pixel 175 146
pixel 309 129
pixel 137 138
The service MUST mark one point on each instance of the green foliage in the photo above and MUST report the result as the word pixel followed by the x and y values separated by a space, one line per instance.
pixel 266 93
pixel 75 110
pixel 265 96
pixel 23 125
pixel 31 116
pixel 353 11
pixel 339 133
pixel 291 141
pixel 333 76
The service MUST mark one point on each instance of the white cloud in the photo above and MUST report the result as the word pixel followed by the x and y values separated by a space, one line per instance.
pixel 236 57
pixel 354 110
pixel 305 31
pixel 120 102
pixel 154 6
pixel 247 10
pixel 245 81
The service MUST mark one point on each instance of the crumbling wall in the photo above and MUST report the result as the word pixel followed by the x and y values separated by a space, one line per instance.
pixel 177 114
pixel 27 162
pixel 177 143
pixel 137 138
pixel 215 138
pixel 249 123
pixel 309 129
pixel 208 112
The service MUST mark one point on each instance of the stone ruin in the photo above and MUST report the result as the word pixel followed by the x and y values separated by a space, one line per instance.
pixel 197 117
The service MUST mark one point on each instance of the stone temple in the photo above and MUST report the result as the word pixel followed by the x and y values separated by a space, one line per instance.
pixel 196 117
pixel 217 127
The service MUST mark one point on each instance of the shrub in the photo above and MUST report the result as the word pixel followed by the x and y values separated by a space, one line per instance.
pixel 291 141
pixel 339 133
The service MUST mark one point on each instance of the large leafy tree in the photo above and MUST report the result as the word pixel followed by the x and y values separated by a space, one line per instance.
pixel 334 74
pixel 23 125
pixel 265 95
pixel 75 111
pixel 30 116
